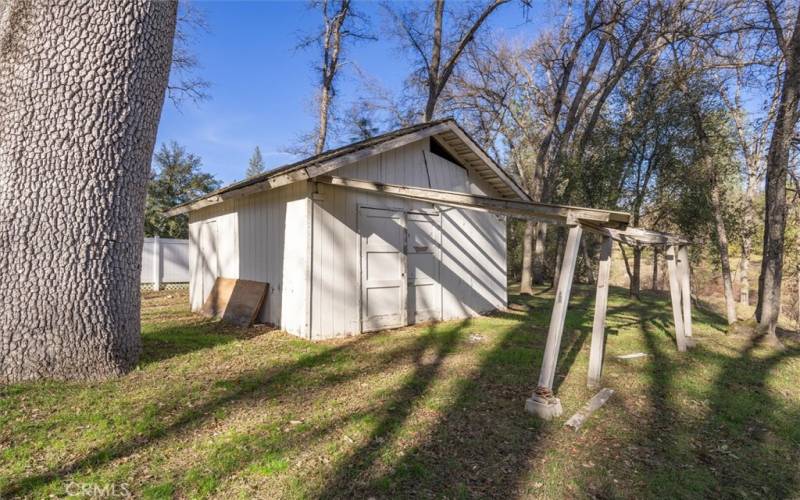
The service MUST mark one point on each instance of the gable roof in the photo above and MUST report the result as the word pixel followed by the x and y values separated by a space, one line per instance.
pixel 447 131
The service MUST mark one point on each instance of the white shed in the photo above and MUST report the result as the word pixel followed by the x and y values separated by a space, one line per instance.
pixel 341 261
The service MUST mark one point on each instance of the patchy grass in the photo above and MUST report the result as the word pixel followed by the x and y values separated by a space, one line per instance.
pixel 432 411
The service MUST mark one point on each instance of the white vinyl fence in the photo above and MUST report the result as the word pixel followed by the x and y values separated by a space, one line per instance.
pixel 165 262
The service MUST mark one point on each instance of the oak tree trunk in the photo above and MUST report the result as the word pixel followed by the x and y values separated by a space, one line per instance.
pixel 81 90
pixel 324 105
pixel 744 271
pixel 748 222
pixel 331 48
pixel 777 173
pixel 722 248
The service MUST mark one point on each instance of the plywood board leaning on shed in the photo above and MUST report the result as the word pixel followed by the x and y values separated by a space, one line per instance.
pixel 237 302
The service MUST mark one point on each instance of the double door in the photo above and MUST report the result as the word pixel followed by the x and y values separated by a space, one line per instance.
pixel 400 267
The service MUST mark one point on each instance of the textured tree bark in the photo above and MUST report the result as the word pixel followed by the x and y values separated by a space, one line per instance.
pixel 748 223
pixel 777 174
pixel 81 90
pixel 526 282
pixel 322 133
pixel 722 248
pixel 744 271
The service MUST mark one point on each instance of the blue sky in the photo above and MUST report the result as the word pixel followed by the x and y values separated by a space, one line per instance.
pixel 262 86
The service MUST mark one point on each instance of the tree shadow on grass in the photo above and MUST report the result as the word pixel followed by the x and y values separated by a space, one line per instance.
pixel 172 340
pixel 276 383
pixel 750 441
pixel 483 442
pixel 712 428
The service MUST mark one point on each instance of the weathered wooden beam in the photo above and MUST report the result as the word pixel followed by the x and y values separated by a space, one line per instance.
pixel 559 313
pixel 675 296
pixel 594 404
pixel 600 307
pixel 543 403
pixel 636 235
pixel 686 289
pixel 548 213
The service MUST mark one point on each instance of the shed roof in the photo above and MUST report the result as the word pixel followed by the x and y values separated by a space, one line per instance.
pixel 447 132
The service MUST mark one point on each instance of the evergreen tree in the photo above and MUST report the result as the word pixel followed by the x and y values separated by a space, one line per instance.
pixel 256 166
pixel 175 178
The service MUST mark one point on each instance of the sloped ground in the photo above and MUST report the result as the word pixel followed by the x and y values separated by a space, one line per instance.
pixel 432 411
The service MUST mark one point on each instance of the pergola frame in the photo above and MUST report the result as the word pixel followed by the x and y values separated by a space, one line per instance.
pixel 610 225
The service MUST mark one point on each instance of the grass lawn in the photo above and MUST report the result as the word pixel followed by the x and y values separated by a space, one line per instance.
pixel 430 411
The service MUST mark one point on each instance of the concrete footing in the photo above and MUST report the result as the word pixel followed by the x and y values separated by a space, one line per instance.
pixel 545 409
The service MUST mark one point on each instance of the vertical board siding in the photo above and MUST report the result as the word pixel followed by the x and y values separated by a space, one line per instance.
pixel 264 237
pixel 473 262
pixel 261 238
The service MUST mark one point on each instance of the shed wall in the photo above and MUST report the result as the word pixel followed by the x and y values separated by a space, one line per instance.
pixel 473 265
pixel 262 237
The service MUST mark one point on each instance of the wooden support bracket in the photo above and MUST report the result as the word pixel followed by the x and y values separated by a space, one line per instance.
pixel 559 313
pixel 675 295
pixel 686 289
pixel 600 308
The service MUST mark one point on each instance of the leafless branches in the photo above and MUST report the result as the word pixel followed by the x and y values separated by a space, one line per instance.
pixel 184 82
pixel 436 43
pixel 340 22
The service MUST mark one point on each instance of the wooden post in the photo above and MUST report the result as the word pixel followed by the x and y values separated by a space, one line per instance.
pixel 686 289
pixel 675 294
pixel 559 314
pixel 600 308
pixel 156 264
pixel 655 269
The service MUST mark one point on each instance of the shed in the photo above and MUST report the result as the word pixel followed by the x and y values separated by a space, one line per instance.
pixel 410 229
pixel 341 261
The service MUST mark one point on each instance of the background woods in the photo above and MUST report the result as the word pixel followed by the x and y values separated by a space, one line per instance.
pixel 681 113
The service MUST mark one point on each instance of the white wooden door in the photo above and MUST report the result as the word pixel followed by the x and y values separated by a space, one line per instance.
pixel 383 268
pixel 423 251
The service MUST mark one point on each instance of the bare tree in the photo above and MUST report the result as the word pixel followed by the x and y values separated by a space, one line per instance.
pixel 80 110
pixel 184 81
pixel 690 69
pixel 339 23
pixel 438 53
pixel 751 137
pixel 777 173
